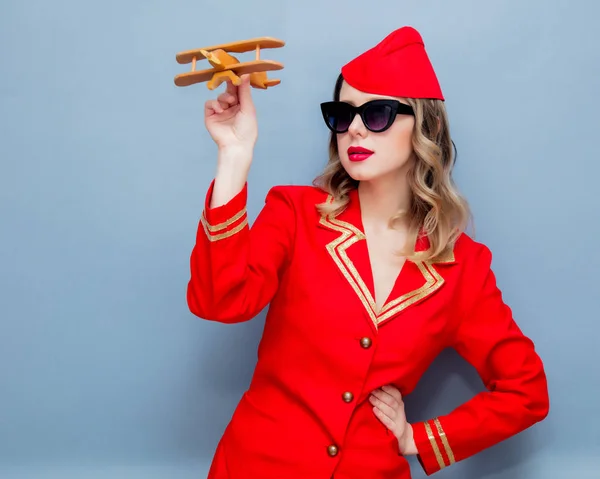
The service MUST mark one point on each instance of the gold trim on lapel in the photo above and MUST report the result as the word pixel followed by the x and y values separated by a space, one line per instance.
pixel 337 249
pixel 349 235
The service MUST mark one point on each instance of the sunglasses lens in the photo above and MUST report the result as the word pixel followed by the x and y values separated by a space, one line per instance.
pixel 377 117
pixel 338 116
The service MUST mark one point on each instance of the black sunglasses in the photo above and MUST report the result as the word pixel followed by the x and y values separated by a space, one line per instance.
pixel 377 115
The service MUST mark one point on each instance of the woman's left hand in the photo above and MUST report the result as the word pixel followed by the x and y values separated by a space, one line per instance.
pixel 388 406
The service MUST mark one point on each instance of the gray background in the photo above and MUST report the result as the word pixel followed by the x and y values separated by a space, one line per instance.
pixel 103 371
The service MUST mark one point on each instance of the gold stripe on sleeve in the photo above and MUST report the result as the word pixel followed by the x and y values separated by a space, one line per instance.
pixel 434 446
pixel 227 234
pixel 224 224
pixel 444 439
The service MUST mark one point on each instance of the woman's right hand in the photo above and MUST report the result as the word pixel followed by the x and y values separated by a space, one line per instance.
pixel 231 118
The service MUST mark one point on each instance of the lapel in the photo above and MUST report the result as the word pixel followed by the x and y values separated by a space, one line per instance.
pixel 348 249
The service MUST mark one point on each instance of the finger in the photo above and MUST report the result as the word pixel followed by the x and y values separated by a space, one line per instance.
pixel 208 108
pixel 385 408
pixel 394 392
pixel 216 106
pixel 386 420
pixel 227 99
pixel 231 89
pixel 386 398
pixel 213 106
pixel 245 95
pixel 224 104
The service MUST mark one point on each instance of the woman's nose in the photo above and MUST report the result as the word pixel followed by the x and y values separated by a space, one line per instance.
pixel 357 127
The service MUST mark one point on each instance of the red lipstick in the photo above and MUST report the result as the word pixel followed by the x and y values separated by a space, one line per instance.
pixel 358 153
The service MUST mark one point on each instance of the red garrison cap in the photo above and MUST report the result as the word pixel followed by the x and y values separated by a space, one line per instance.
pixel 397 66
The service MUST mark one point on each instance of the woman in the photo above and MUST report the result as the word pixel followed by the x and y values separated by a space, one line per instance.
pixel 369 275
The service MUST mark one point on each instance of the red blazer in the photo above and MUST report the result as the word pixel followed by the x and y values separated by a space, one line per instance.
pixel 306 413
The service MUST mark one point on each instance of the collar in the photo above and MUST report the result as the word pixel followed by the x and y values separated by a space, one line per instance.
pixel 352 214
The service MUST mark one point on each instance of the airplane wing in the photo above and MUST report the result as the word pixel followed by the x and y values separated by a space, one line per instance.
pixel 255 66
pixel 198 76
pixel 235 47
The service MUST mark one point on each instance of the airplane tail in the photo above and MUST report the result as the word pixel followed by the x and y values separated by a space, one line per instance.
pixel 260 80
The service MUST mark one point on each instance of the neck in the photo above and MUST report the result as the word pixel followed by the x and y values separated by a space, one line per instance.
pixel 382 198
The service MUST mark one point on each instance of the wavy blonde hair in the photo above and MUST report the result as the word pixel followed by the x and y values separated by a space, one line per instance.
pixel 437 210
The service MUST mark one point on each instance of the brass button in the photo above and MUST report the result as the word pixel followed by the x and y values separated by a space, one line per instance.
pixel 347 396
pixel 332 450
pixel 366 342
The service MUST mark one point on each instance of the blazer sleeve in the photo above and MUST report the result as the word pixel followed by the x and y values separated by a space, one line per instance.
pixel 234 268
pixel 516 395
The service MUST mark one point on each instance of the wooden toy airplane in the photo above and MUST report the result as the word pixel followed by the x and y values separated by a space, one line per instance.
pixel 227 67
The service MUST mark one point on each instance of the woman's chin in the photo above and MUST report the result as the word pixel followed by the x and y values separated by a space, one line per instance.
pixel 360 172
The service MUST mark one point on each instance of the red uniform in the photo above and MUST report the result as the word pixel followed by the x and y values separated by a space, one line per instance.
pixel 306 412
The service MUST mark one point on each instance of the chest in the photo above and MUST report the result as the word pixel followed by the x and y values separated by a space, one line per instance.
pixel 340 279
pixel 384 263
pixel 342 289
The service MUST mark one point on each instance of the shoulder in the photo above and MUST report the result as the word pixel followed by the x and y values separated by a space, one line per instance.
pixel 298 196
pixel 300 191
pixel 473 255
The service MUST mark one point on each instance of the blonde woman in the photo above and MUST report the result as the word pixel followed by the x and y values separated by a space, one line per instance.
pixel 369 275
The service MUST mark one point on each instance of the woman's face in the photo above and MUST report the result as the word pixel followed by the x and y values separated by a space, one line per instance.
pixel 392 151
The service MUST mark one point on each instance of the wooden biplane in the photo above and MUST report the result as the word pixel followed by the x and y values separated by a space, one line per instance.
pixel 227 67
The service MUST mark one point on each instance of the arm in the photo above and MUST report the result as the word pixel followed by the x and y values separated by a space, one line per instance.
pixel 516 395
pixel 234 268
